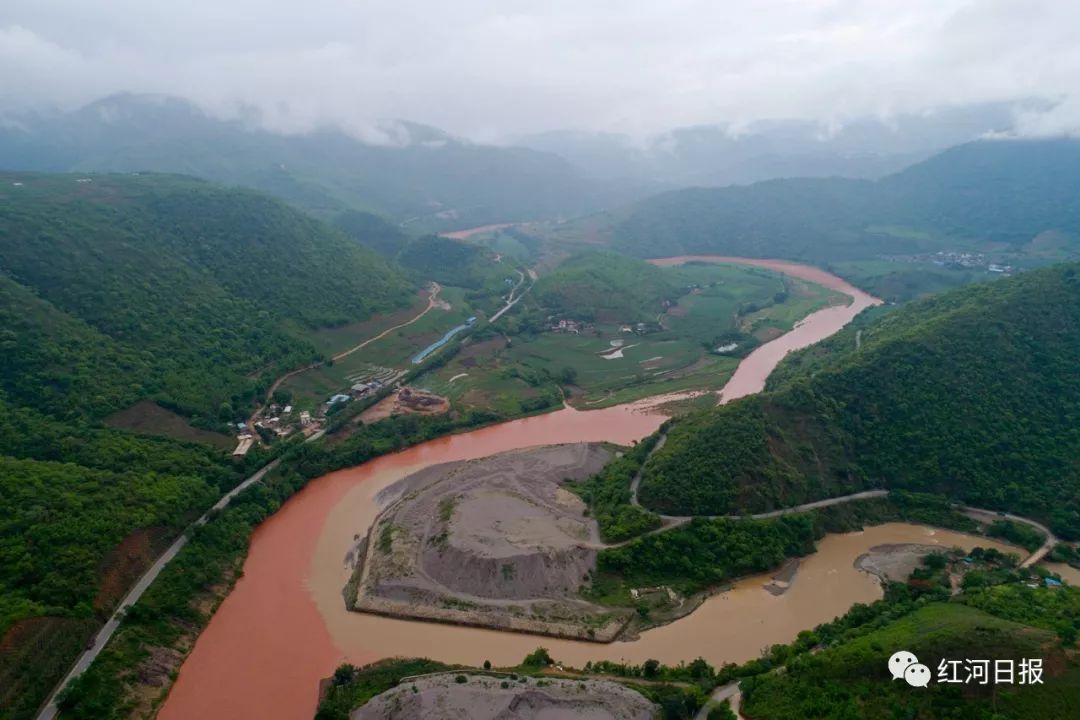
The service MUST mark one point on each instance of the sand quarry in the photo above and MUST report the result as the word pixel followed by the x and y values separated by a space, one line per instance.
pixel 483 697
pixel 495 542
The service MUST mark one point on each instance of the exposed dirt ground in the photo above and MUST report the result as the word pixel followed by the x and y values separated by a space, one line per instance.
pixel 123 565
pixel 894 563
pixel 406 400
pixel 494 542
pixel 484 697
pixel 148 418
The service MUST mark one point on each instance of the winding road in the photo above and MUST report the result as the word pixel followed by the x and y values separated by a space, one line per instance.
pixel 511 301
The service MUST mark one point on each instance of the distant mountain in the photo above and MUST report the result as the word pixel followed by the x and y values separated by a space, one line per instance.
pixel 717 155
pixel 1005 192
pixel 973 394
pixel 420 176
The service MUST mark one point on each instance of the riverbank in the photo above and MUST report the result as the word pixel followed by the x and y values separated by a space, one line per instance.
pixel 314 527
pixel 620 424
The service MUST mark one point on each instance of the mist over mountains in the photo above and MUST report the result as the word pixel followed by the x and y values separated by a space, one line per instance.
pixel 725 154
pixel 426 179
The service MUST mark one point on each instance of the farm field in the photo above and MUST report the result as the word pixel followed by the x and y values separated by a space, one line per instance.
pixel 607 364
pixel 331 341
pixel 393 352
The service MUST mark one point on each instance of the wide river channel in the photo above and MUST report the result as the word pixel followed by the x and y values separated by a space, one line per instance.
pixel 284 626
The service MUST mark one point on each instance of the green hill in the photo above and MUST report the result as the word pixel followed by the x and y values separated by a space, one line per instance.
pixel 373 232
pixel 455 262
pixel 994 196
pixel 605 286
pixel 116 291
pixel 973 394
pixel 118 288
pixel 851 679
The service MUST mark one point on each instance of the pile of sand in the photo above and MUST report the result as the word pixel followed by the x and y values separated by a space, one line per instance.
pixel 495 542
pixel 483 697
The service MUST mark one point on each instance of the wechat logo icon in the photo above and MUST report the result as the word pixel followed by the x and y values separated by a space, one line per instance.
pixel 904 664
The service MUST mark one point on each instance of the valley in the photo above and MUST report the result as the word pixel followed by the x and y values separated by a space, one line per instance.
pixel 332 512
pixel 708 440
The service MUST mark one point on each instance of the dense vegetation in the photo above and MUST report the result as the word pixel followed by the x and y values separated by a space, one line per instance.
pixel 1008 192
pixel 851 680
pixel 607 495
pixel 169 288
pixel 453 262
pixel 705 553
pixel 605 287
pixel 121 290
pixel 372 231
pixel 972 394
pixel 169 614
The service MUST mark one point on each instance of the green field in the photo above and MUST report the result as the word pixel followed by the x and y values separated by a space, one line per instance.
pixel 719 301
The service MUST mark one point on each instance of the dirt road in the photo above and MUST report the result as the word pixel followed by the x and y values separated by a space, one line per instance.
pixel 511 301
pixel 433 297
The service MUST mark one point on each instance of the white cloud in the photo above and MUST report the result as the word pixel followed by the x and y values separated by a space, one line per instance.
pixel 488 69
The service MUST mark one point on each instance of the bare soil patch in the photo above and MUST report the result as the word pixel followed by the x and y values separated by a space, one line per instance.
pixel 149 418
pixel 495 542
pixel 486 697
pixel 125 563
pixel 766 334
pixel 404 402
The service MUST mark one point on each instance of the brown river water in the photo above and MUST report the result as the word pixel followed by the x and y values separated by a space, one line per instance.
pixel 284 626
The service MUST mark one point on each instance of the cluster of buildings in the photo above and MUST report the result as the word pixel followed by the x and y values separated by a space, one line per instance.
pixel 572 327
pixel 961 259
pixel 363 389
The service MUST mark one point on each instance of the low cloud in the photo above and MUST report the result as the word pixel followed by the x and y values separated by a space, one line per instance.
pixel 490 70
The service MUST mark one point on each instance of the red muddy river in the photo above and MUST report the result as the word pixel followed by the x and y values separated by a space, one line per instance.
pixel 284 626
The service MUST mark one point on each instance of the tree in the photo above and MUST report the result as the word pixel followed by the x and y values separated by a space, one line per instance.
pixel 538 658
pixel 344 674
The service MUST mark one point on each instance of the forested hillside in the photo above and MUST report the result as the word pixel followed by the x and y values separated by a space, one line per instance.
pixel 972 394
pixel 455 262
pixel 116 290
pixel 605 286
pixel 1005 192
pixel 850 678
pixel 372 231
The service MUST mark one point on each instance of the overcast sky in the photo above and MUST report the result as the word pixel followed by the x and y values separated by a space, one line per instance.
pixel 489 70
